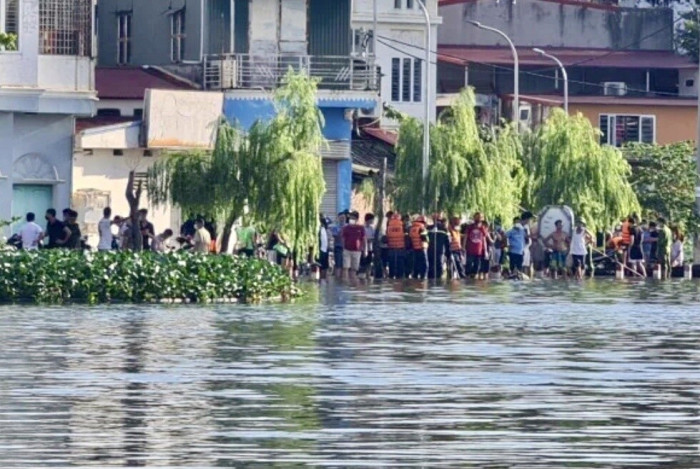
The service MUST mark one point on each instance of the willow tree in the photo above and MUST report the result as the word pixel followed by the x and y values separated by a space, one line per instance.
pixel 465 173
pixel 274 170
pixel 206 182
pixel 566 164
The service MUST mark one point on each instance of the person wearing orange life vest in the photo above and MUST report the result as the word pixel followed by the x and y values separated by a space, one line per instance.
pixel 396 243
pixel 456 247
pixel 419 247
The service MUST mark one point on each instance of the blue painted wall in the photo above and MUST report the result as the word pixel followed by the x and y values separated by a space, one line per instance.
pixel 245 112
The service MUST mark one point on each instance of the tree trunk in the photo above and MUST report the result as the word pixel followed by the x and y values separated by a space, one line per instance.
pixel 228 229
pixel 379 211
pixel 133 196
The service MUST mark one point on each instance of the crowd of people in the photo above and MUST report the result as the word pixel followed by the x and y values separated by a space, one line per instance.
pixel 420 247
pixel 405 246
pixel 114 233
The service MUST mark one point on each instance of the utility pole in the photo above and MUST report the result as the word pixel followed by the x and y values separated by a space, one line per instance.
pixel 696 253
pixel 427 93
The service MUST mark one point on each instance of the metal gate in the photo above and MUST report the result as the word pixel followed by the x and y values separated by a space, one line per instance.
pixel 329 203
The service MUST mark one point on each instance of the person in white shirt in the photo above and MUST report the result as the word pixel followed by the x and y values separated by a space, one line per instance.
pixel 104 227
pixel 677 257
pixel 202 238
pixel 31 234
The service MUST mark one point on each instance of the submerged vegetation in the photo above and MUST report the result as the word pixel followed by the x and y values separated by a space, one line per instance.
pixel 61 276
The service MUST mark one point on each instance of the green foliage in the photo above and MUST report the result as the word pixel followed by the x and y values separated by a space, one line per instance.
pixel 275 170
pixel 4 223
pixel 465 173
pixel 565 164
pixel 664 178
pixel 59 276
pixel 687 34
pixel 368 190
pixel 8 41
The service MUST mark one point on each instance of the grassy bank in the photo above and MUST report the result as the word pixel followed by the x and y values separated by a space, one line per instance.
pixel 59 276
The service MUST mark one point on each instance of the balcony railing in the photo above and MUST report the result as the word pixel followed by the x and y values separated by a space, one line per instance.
pixel 249 71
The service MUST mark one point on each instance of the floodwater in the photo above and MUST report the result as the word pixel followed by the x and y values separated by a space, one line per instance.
pixel 499 375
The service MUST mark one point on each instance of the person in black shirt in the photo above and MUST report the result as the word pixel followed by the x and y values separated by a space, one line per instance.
pixel 56 231
pixel 148 232
pixel 71 222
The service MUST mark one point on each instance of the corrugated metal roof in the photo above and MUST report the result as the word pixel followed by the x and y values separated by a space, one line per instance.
pixel 577 3
pixel 132 82
pixel 552 100
pixel 496 55
pixel 368 151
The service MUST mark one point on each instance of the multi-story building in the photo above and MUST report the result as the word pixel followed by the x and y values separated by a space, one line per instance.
pixel 624 74
pixel 400 53
pixel 243 48
pixel 46 79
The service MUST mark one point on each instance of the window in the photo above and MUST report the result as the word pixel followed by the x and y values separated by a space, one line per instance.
pixel 417 80
pixel 406 80
pixel 177 36
pixel 395 79
pixel 9 17
pixel 400 4
pixel 109 112
pixel 363 42
pixel 138 112
pixel 123 38
pixel 617 129
pixel 65 27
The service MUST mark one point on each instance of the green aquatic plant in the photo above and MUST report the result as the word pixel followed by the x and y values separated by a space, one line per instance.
pixel 60 276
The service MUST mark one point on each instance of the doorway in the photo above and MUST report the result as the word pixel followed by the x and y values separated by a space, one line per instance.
pixel 35 198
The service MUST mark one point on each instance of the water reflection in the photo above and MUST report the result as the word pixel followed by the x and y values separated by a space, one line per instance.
pixel 547 374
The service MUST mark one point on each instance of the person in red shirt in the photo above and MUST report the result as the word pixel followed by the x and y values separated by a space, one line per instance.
pixel 354 245
pixel 474 240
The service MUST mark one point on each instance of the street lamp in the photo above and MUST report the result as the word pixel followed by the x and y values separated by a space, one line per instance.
pixel 564 75
pixel 516 70
pixel 426 98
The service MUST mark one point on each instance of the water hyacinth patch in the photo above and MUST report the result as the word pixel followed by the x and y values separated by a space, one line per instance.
pixel 60 276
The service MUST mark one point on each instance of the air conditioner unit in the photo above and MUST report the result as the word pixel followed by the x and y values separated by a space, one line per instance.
pixel 375 112
pixel 614 88
pixel 221 74
pixel 525 116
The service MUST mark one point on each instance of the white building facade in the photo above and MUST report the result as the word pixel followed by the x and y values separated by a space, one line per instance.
pixel 44 84
pixel 400 53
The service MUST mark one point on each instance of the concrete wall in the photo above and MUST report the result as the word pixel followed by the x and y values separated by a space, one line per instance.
pixel 36 149
pixel 673 123
pixel 150 44
pixel 182 119
pixel 264 27
pixel 542 23
pixel 100 178
pixel 26 68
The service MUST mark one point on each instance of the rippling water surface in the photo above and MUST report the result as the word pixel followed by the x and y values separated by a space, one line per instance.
pixel 504 375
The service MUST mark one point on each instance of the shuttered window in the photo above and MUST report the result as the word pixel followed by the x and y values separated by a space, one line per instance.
pixel 417 80
pixel 618 130
pixel 395 79
pixel 406 81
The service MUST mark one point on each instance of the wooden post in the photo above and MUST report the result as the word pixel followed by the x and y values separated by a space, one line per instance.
pixel 133 196
pixel 379 211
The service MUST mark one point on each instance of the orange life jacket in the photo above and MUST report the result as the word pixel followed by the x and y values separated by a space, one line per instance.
pixel 455 240
pixel 417 233
pixel 395 234
pixel 626 234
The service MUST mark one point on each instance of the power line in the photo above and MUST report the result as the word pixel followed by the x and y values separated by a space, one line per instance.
pixel 510 69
